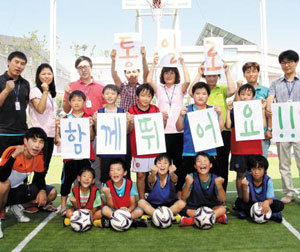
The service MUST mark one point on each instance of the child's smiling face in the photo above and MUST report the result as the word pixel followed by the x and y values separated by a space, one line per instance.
pixel 163 166
pixel 86 179
pixel 202 165
pixel 116 172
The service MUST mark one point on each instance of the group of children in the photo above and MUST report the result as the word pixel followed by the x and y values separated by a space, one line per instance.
pixel 198 187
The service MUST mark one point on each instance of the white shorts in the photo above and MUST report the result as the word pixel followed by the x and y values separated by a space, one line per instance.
pixel 142 164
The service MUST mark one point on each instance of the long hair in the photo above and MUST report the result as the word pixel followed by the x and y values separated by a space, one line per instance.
pixel 39 83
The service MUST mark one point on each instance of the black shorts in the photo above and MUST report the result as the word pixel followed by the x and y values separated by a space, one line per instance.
pixel 24 193
pixel 184 210
pixel 160 205
pixel 239 163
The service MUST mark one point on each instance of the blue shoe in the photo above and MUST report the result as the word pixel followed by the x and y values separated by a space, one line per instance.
pixel 276 217
pixel 242 215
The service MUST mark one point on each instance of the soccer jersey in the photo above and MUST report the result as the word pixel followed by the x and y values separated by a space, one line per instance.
pixel 261 192
pixel 22 167
pixel 134 110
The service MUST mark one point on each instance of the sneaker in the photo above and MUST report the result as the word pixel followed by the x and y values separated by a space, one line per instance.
pixel 176 218
pixel 287 199
pixel 31 210
pixel 186 221
pixel 1 233
pixel 17 210
pixel 139 223
pixel 242 215
pixel 3 215
pixel 105 222
pixel 62 211
pixel 276 217
pixel 66 222
pixel 223 219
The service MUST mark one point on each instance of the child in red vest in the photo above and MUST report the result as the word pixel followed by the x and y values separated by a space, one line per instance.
pixel 121 193
pixel 84 196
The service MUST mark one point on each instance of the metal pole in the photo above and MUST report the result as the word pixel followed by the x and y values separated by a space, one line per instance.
pixel 264 44
pixel 53 36
pixel 138 22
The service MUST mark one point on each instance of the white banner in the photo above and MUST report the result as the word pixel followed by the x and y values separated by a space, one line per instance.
pixel 248 120
pixel 75 138
pixel 150 136
pixel 205 129
pixel 286 122
pixel 213 54
pixel 111 133
pixel 128 47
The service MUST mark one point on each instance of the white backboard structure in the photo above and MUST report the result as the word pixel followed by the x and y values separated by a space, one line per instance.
pixel 146 4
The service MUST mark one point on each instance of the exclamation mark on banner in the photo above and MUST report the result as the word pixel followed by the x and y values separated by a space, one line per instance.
pixel 280 121
pixel 292 120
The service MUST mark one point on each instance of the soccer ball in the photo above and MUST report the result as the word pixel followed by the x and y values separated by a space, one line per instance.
pixel 257 216
pixel 81 220
pixel 162 217
pixel 204 218
pixel 121 220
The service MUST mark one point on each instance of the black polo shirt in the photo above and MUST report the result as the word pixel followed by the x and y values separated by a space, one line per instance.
pixel 13 121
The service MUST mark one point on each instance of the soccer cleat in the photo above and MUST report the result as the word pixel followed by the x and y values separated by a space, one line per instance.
pixel 105 222
pixel 3 215
pixel 276 217
pixel 186 221
pixel 242 215
pixel 223 219
pixel 139 223
pixel 176 218
pixel 31 210
pixel 1 233
pixel 17 210
pixel 66 222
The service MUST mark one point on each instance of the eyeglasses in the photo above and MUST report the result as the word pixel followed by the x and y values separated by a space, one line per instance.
pixel 287 63
pixel 81 68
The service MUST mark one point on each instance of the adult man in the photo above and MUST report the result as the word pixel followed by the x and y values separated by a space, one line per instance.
pixel 17 163
pixel 14 98
pixel 127 89
pixel 286 89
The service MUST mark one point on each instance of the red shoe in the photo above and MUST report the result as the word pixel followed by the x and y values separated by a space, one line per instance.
pixel 31 210
pixel 186 221
pixel 3 215
pixel 223 219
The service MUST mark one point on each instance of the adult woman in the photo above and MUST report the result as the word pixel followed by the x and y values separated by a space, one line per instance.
pixel 42 106
pixel 170 93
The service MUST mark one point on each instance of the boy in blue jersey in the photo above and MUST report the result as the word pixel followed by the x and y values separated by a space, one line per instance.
pixel 203 188
pixel 201 92
pixel 162 181
pixel 120 193
pixel 258 187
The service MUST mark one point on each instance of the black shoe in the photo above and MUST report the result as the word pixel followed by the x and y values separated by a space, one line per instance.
pixel 105 222
pixel 139 223
pixel 276 217
pixel 242 215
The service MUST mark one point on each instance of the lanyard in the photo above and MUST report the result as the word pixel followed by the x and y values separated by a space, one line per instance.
pixel 170 99
pixel 17 92
pixel 288 89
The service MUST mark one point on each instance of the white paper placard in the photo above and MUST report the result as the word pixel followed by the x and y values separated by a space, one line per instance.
pixel 150 136
pixel 248 120
pixel 213 55
pixel 205 129
pixel 286 122
pixel 111 133
pixel 75 138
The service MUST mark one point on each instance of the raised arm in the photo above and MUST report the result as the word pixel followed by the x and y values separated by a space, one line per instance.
pixel 152 176
pixel 151 72
pixel 186 76
pixel 221 193
pixel 186 188
pixel 197 78
pixel 220 117
pixel 114 73
pixel 230 83
pixel 228 122
pixel 66 104
pixel 174 177
pixel 9 86
pixel 145 64
pixel 40 104
pixel 245 184
pixel 239 83
pixel 180 123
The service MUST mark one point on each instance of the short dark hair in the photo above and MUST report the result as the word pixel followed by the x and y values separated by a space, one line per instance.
pixel 39 83
pixel 77 93
pixel 200 85
pixel 257 161
pixel 247 87
pixel 161 157
pixel 250 65
pixel 87 169
pixel 203 75
pixel 203 154
pixel 112 87
pixel 118 161
pixel 17 54
pixel 82 58
pixel 36 132
pixel 168 69
pixel 289 55
pixel 143 87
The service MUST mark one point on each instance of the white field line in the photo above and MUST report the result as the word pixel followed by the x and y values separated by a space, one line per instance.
pixel 291 228
pixel 34 232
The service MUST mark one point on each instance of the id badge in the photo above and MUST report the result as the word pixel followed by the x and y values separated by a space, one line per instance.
pixel 88 104
pixel 17 105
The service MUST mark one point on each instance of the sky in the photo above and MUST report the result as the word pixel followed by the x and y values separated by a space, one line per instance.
pixel 94 22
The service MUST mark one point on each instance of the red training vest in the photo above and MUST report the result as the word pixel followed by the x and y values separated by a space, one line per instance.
pixel 90 203
pixel 120 201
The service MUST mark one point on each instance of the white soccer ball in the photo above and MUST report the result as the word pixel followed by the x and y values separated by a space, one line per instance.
pixel 162 217
pixel 257 216
pixel 121 220
pixel 204 218
pixel 81 220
